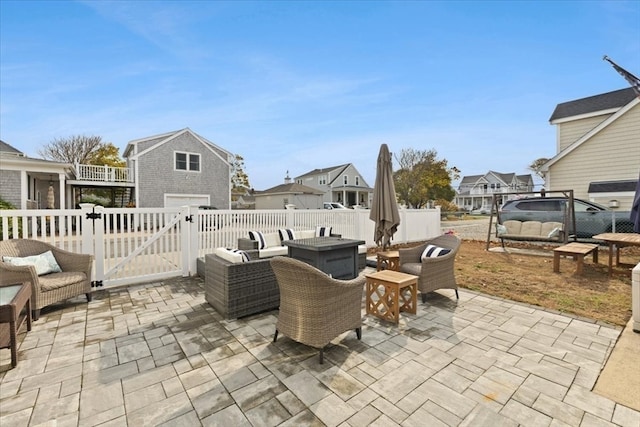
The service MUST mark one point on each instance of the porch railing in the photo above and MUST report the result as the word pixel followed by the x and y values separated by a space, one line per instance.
pixel 103 173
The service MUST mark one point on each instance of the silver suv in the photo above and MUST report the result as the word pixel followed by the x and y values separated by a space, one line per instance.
pixel 591 218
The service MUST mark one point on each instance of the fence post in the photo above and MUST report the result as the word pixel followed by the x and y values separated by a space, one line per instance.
pixel 190 242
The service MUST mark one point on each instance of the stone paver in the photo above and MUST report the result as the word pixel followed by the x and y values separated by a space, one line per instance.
pixel 158 354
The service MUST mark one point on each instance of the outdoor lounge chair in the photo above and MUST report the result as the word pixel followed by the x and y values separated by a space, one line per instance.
pixel 315 308
pixel 74 278
pixel 433 272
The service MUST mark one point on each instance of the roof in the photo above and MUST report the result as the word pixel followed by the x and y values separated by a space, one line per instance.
pixel 592 104
pixel 323 170
pixel 613 186
pixel 7 148
pixel 291 188
pixel 504 177
pixel 165 137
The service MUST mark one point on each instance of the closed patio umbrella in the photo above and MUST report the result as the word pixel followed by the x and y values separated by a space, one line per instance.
pixel 635 209
pixel 384 208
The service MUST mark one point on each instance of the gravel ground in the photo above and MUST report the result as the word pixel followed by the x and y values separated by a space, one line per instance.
pixel 472 229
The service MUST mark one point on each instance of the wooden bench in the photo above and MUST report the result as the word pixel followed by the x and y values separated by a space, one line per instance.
pixel 578 251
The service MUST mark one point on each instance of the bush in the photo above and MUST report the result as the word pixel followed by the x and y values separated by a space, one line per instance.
pixel 4 205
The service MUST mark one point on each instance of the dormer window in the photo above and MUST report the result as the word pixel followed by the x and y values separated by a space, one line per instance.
pixel 187 161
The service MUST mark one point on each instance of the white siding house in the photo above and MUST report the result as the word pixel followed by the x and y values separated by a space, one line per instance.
pixel 343 184
pixel 598 143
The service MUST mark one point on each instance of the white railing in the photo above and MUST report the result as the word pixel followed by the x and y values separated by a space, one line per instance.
pixel 103 173
pixel 133 245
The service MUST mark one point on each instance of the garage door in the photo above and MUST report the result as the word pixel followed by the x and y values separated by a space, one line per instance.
pixel 175 200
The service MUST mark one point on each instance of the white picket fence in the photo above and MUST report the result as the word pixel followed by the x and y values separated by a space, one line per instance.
pixel 135 245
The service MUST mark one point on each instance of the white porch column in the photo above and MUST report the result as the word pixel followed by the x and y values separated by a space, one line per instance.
pixel 24 189
pixel 62 190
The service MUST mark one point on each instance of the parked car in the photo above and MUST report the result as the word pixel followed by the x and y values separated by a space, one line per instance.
pixel 591 218
pixel 334 205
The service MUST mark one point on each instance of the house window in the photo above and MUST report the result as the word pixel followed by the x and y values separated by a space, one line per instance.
pixel 188 162
pixel 357 180
pixel 322 180
pixel 345 180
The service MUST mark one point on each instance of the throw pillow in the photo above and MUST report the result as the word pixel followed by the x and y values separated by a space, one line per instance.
pixel 432 251
pixel 286 234
pixel 323 231
pixel 259 237
pixel 245 256
pixel 44 263
pixel 501 230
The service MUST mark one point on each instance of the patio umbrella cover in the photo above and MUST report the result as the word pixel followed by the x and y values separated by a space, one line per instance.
pixel 384 208
pixel 635 209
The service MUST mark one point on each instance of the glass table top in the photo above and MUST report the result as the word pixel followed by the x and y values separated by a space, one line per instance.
pixel 8 293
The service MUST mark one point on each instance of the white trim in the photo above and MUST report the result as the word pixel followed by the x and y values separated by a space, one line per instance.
pixel 188 161
pixel 585 116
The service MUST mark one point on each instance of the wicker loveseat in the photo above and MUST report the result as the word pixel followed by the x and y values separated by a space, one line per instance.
pixel 47 289
pixel 238 289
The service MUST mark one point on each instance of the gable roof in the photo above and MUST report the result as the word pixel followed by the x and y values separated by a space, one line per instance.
pixel 166 137
pixel 593 104
pixel 7 148
pixel 608 121
pixel 324 170
pixel 290 188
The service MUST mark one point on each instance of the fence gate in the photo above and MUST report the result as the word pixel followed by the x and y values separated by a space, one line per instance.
pixel 139 245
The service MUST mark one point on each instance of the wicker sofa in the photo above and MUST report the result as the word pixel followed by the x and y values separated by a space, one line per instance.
pixel 239 289
pixel 275 247
pixel 74 278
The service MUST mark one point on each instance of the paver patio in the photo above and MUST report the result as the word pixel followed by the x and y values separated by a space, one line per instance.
pixel 158 354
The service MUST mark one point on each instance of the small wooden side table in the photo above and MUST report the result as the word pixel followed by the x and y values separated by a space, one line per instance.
pixel 388 260
pixel 578 251
pixel 390 292
pixel 14 299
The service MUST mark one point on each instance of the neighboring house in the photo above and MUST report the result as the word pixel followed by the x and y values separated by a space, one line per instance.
pixel 26 182
pixel 179 168
pixel 342 184
pixel 290 193
pixel 598 148
pixel 476 192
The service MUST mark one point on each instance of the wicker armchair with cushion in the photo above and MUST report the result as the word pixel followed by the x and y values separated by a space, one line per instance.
pixel 315 308
pixel 65 276
pixel 434 267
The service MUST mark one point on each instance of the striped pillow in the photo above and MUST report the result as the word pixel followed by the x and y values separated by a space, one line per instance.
pixel 323 231
pixel 432 251
pixel 259 237
pixel 286 234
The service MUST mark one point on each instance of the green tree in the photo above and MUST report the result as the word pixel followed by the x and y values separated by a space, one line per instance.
pixel 107 154
pixel 423 177
pixel 537 164
pixel 239 178
pixel 74 149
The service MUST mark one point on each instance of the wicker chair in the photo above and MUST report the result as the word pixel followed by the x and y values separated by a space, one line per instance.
pixel 315 308
pixel 74 280
pixel 433 273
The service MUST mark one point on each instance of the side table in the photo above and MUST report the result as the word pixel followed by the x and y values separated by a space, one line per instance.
pixel 388 260
pixel 14 299
pixel 578 251
pixel 390 292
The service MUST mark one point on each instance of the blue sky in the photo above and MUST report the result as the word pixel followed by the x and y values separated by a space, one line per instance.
pixel 293 86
